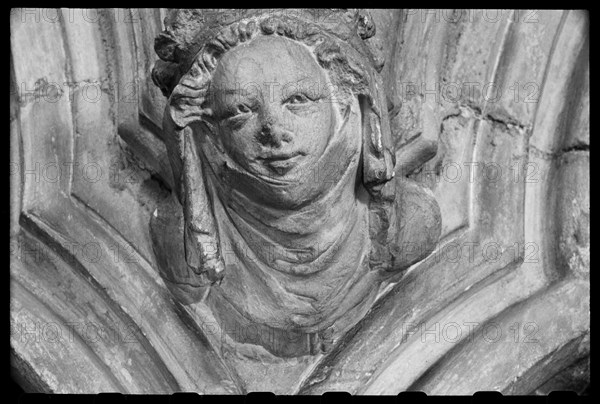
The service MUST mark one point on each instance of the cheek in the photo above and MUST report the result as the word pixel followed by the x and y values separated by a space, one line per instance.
pixel 240 142
pixel 313 130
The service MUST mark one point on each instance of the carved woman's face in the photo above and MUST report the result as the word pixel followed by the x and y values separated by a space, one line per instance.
pixel 271 102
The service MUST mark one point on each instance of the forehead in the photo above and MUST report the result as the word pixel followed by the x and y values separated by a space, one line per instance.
pixel 268 59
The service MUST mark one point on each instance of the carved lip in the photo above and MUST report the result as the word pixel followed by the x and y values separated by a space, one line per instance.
pixel 280 156
pixel 281 162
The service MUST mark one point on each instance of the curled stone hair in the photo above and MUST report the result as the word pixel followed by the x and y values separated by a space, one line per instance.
pixel 194 40
pixel 189 95
pixel 192 44
pixel 187 31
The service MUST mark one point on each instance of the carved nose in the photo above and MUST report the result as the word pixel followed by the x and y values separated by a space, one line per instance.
pixel 273 134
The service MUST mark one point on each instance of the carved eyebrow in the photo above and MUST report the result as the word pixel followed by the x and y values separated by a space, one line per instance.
pixel 239 93
pixel 312 89
pixel 230 91
pixel 303 78
pixel 237 88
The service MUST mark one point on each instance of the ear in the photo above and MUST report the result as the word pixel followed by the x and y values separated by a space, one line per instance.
pixel 190 102
pixel 186 110
pixel 189 107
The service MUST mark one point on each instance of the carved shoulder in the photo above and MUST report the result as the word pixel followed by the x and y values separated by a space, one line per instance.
pixel 419 224
pixel 166 232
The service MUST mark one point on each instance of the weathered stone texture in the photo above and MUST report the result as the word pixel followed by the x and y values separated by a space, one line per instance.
pixel 509 169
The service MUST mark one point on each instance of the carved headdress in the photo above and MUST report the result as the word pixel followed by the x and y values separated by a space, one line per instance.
pixel 188 31
pixel 299 253
pixel 190 48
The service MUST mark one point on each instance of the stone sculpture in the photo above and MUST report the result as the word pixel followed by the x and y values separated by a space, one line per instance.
pixel 287 214
pixel 249 227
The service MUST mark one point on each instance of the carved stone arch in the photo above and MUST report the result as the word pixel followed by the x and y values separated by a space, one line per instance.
pixel 81 257
pixel 473 289
pixel 88 167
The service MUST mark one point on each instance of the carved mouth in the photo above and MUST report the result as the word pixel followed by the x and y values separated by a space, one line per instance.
pixel 281 163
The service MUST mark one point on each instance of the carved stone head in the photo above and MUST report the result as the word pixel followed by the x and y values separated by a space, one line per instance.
pixel 267 85
pixel 281 150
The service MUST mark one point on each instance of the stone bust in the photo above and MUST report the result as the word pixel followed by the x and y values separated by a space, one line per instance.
pixel 287 213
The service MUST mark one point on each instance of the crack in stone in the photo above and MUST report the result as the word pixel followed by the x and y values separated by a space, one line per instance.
pixel 575 148
pixel 507 123
pixel 560 153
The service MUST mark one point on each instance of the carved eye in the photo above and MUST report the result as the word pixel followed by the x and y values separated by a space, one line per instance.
pixel 242 109
pixel 236 112
pixel 297 99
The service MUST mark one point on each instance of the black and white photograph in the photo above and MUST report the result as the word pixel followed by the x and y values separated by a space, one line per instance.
pixel 299 201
